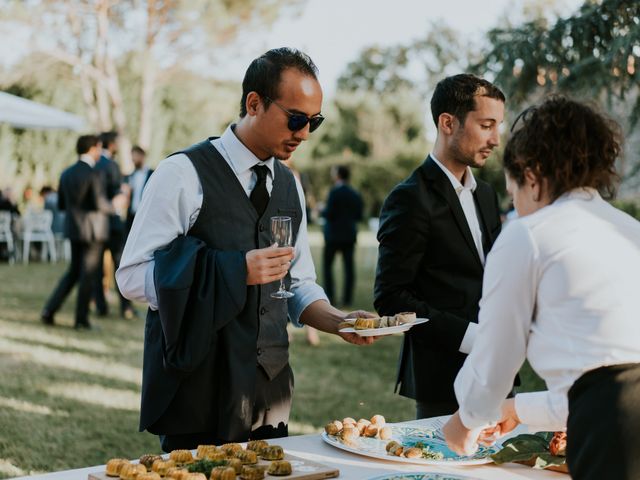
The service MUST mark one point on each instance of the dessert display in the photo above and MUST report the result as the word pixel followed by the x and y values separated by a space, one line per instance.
pixel 227 462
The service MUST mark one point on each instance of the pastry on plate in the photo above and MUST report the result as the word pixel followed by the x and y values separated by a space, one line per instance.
pixel 279 468
pixel 364 324
pixel 252 472
pixel 130 471
pixel 223 473
pixel 257 445
pixel 248 457
pixel 148 459
pixel 405 317
pixel 272 452
pixel 181 456
pixel 115 465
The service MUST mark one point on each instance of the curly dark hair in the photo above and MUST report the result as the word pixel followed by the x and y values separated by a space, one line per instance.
pixel 568 144
pixel 263 74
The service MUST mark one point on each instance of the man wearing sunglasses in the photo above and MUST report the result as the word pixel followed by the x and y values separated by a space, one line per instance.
pixel 224 191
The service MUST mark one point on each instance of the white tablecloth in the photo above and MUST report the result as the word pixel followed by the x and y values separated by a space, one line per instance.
pixel 357 467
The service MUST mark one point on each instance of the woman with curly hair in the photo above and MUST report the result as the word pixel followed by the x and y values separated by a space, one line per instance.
pixel 560 289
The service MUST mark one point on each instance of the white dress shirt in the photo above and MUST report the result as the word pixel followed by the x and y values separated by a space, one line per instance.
pixel 88 159
pixel 561 288
pixel 465 195
pixel 170 206
pixel 137 181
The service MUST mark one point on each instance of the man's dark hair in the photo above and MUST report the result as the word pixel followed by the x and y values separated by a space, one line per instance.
pixel 457 94
pixel 567 143
pixel 85 142
pixel 263 74
pixel 343 172
pixel 107 138
pixel 138 149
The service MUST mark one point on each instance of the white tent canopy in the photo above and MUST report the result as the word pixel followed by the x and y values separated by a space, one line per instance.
pixel 22 113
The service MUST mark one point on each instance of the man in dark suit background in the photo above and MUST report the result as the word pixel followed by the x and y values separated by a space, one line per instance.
pixel 342 214
pixel 109 171
pixel 436 228
pixel 136 182
pixel 86 208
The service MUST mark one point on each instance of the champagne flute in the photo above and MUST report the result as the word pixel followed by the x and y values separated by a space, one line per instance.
pixel 281 234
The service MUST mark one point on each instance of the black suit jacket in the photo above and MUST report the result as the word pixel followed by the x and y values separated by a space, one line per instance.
pixel 342 214
pixel 428 263
pixel 87 208
pixel 109 172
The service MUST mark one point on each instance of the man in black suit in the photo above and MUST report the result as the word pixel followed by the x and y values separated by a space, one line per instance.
pixel 342 214
pixel 136 182
pixel 109 171
pixel 436 228
pixel 86 225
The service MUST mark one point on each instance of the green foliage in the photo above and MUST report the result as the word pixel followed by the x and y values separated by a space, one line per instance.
pixel 628 206
pixel 595 51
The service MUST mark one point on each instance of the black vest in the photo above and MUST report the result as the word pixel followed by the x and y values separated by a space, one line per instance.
pixel 218 396
pixel 228 221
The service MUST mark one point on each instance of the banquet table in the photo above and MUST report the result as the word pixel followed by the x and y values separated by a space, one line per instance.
pixel 358 467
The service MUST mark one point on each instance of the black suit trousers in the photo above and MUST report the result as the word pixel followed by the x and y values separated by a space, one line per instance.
pixel 83 270
pixel 330 251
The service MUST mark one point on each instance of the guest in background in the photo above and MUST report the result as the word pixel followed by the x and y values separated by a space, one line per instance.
pixel 342 214
pixel 561 289
pixel 136 182
pixel 109 171
pixel 86 225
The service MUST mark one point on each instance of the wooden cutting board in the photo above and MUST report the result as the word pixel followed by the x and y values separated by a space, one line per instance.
pixel 303 469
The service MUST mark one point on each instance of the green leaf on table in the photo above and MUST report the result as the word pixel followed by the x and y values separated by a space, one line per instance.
pixel 545 460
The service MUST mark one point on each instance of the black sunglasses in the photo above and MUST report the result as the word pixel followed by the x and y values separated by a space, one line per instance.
pixel 297 121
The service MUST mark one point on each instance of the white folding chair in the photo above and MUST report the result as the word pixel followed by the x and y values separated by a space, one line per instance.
pixel 37 228
pixel 6 235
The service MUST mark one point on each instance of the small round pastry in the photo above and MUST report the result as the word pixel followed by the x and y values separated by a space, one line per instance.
pixel 176 473
pixel 248 457
pixel 195 476
pixel 391 444
pixel 280 468
pixel 148 459
pixel 385 433
pixel 364 324
pixel 349 433
pixel 181 456
pixel 257 445
pixel 378 420
pixel 162 466
pixel 230 449
pixel 217 455
pixel 371 431
pixel 332 429
pixel 223 473
pixel 236 464
pixel 361 427
pixel 405 317
pixel 252 472
pixel 272 452
pixel 115 465
pixel 149 476
pixel 397 450
pixel 413 452
pixel 130 471
pixel 202 450
pixel 348 420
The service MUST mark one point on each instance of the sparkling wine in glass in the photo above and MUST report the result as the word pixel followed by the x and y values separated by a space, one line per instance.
pixel 281 234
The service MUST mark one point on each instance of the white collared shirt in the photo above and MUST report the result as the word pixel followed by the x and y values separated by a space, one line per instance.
pixel 88 159
pixel 170 205
pixel 561 288
pixel 465 195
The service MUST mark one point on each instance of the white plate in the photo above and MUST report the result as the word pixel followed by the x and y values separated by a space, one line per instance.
pixel 377 332
pixel 428 433
pixel 421 476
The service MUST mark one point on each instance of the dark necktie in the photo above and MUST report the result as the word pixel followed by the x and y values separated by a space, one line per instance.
pixel 259 195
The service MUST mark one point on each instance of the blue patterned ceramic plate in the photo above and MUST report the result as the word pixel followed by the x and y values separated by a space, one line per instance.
pixel 429 435
pixel 421 476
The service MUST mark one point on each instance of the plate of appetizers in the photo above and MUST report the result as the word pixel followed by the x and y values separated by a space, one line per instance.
pixel 378 326
pixel 421 444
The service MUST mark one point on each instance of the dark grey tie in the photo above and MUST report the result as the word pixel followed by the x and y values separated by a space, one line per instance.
pixel 260 195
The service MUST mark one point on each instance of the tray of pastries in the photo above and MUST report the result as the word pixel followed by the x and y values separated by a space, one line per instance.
pixel 378 326
pixel 256 460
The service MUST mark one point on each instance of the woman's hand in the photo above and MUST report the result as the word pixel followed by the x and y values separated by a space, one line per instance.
pixel 459 438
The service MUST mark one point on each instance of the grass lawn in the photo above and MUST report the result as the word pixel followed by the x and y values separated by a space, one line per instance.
pixel 71 399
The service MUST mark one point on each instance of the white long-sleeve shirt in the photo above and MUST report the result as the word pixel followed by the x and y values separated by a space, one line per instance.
pixel 561 288
pixel 170 206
